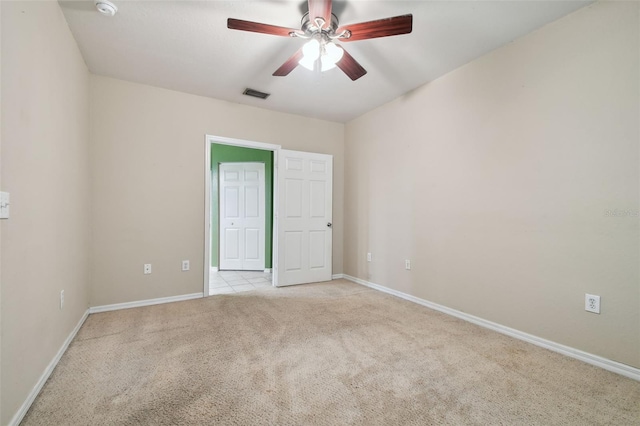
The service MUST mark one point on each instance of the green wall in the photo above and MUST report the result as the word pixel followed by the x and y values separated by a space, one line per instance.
pixel 235 154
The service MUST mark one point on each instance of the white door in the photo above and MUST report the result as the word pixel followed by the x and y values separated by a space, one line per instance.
pixel 304 217
pixel 242 216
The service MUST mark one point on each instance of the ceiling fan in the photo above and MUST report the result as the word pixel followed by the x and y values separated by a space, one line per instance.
pixel 321 28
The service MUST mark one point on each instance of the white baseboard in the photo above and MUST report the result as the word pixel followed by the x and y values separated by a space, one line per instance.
pixel 337 276
pixel 215 269
pixel 598 361
pixel 17 418
pixel 148 302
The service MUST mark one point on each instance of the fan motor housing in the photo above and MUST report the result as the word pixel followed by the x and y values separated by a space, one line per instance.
pixel 310 28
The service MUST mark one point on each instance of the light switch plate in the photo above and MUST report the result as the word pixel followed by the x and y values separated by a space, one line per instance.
pixel 4 205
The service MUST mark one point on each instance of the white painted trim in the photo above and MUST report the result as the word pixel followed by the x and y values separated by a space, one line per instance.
pixel 598 361
pixel 17 418
pixel 274 223
pixel 240 142
pixel 208 140
pixel 148 302
pixel 337 276
pixel 268 270
pixel 207 216
pixel 214 269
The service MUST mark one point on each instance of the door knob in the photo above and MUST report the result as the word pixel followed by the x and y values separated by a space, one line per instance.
pixel 329 224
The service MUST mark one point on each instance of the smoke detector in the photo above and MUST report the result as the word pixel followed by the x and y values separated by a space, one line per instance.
pixel 106 7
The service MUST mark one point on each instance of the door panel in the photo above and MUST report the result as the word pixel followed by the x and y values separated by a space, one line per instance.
pixel 251 243
pixel 305 208
pixel 316 249
pixel 293 197
pixel 242 216
pixel 251 176
pixel 232 247
pixel 293 244
pixel 317 199
pixel 251 202
pixel 232 202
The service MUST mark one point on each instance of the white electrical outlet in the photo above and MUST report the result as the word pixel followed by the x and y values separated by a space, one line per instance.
pixel 407 264
pixel 185 265
pixel 61 299
pixel 147 268
pixel 592 303
pixel 368 257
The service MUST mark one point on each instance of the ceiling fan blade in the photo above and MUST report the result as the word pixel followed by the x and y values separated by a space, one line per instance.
pixel 320 9
pixel 256 27
pixel 289 64
pixel 350 66
pixel 381 28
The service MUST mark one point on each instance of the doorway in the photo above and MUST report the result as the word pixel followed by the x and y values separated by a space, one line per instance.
pixel 237 276
pixel 299 242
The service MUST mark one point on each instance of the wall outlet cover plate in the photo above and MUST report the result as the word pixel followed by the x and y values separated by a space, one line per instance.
pixel 592 303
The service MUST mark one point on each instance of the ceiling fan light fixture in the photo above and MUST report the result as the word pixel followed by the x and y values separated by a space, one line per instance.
pixel 331 56
pixel 311 50
pixel 326 64
pixel 328 53
pixel 334 52
pixel 310 54
pixel 308 63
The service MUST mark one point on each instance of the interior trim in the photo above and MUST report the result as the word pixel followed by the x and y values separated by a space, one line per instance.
pixel 17 418
pixel 598 361
pixel 148 302
pixel 211 139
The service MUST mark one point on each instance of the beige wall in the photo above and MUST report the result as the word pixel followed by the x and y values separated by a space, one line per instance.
pixel 148 182
pixel 495 178
pixel 45 156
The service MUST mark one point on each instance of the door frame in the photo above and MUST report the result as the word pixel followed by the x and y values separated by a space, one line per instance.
pixel 211 139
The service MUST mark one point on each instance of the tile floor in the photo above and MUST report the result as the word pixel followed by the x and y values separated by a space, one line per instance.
pixel 226 282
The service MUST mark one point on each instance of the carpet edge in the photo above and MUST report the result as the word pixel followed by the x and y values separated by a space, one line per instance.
pixel 595 360
pixel 22 411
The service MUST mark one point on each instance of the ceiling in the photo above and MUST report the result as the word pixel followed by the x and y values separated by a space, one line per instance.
pixel 186 46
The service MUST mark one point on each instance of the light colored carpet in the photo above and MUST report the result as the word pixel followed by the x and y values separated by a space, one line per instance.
pixel 323 354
